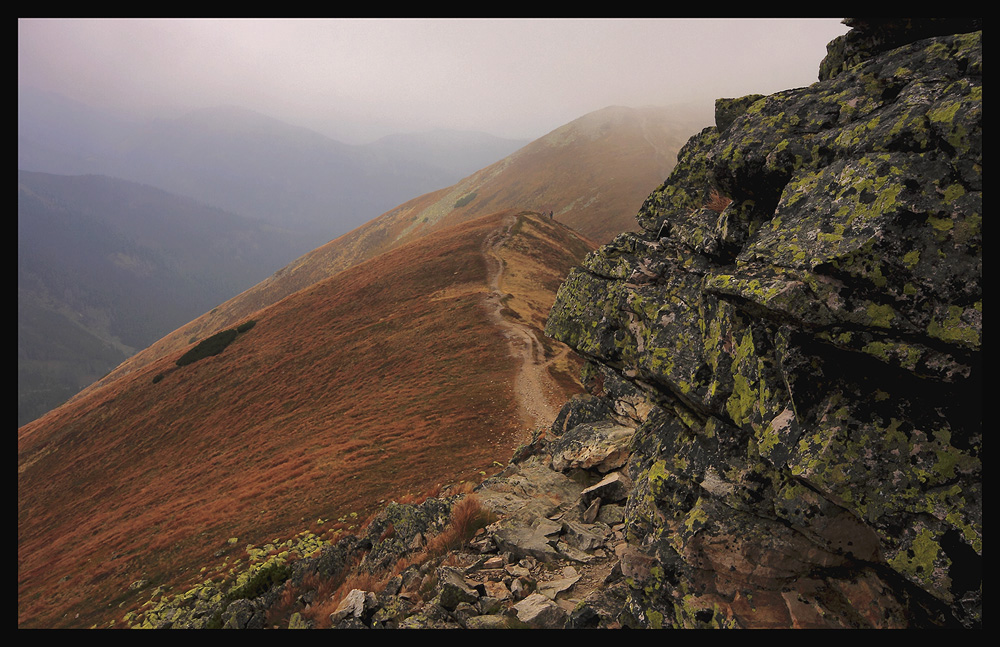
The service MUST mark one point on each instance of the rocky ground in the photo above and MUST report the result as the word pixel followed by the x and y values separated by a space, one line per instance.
pixel 549 560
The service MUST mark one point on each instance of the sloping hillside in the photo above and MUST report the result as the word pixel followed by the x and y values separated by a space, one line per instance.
pixel 592 174
pixel 106 267
pixel 388 379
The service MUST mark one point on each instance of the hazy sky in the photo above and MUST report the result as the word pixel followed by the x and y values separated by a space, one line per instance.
pixel 358 79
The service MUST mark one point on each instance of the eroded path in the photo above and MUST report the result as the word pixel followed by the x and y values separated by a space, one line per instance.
pixel 533 386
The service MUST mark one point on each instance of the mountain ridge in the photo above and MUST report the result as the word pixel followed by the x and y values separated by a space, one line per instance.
pixel 528 173
pixel 163 441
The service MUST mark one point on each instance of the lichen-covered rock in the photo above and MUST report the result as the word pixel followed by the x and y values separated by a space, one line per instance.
pixel 869 37
pixel 393 530
pixel 582 409
pixel 602 445
pixel 358 604
pixel 809 352
pixel 453 589
pixel 524 492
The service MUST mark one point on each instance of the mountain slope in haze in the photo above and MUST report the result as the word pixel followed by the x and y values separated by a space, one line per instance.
pixel 454 151
pixel 589 173
pixel 58 135
pixel 249 163
pixel 389 378
pixel 106 267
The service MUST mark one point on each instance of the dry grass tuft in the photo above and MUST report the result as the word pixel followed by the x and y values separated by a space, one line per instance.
pixel 467 516
pixel 326 604
pixel 717 202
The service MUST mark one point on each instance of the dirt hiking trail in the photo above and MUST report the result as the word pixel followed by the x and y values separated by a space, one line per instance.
pixel 534 387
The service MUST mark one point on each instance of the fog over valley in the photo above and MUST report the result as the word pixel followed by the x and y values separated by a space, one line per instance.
pixel 356 80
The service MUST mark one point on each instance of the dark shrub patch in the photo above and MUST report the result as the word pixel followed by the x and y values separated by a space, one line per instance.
pixel 264 579
pixel 465 199
pixel 211 346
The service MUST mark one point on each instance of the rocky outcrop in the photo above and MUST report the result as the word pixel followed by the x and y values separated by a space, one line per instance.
pixel 795 337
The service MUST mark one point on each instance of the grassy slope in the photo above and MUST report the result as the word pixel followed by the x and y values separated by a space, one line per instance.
pixel 106 267
pixel 360 388
pixel 594 173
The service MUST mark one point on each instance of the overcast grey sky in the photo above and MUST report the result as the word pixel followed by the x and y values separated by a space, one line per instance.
pixel 358 79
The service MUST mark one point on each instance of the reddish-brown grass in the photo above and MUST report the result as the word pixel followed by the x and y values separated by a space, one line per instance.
pixel 331 592
pixel 717 202
pixel 467 516
pixel 287 603
pixel 344 394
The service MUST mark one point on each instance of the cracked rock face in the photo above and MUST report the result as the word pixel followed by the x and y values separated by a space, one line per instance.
pixel 810 351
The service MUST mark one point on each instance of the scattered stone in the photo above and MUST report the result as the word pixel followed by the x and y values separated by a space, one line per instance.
pixel 357 604
pixel 553 588
pixel 463 612
pixel 540 612
pixel 488 622
pixel 613 487
pixel 574 554
pixel 497 591
pixel 532 541
pixel 238 615
pixel 602 445
pixel 584 537
pixel 453 589
pixel 490 605
pixel 611 514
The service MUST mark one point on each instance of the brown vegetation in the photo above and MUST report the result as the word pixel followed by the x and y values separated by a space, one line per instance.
pixel 467 516
pixel 355 390
pixel 717 202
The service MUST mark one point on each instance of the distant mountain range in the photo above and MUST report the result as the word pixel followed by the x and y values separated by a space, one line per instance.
pixel 248 163
pixel 276 191
pixel 106 267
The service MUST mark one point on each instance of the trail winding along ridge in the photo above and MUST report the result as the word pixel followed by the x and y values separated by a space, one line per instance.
pixel 533 383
